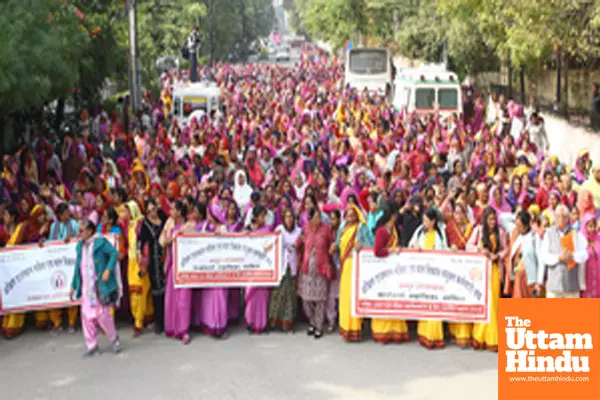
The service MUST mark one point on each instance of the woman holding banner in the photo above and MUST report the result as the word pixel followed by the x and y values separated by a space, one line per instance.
pixel 65 228
pixel 317 239
pixel 233 223
pixel 178 302
pixel 458 232
pixel 151 260
pixel 12 324
pixel 210 304
pixel 137 277
pixel 386 242
pixel 284 303
pixel 257 298
pixel 490 239
pixel 429 236
pixel 353 234
pixel 35 229
pixel 109 225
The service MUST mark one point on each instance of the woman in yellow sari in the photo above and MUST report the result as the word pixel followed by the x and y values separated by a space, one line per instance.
pixel 492 241
pixel 386 242
pixel 139 281
pixel 429 236
pixel 352 234
pixel 458 232
pixel 32 230
pixel 12 324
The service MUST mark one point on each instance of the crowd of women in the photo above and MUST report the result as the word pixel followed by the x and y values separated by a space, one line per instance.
pixel 332 169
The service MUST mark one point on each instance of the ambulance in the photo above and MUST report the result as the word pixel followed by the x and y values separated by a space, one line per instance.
pixel 419 89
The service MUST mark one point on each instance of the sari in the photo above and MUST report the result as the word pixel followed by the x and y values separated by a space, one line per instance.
pixel 431 333
pixel 12 324
pixel 257 302
pixel 485 335
pixel 389 330
pixel 459 331
pixel 178 302
pixel 348 236
pixel 210 305
pixel 141 304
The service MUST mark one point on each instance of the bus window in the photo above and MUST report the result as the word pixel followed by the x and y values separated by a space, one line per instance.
pixel 424 98
pixel 191 104
pixel 368 61
pixel 448 98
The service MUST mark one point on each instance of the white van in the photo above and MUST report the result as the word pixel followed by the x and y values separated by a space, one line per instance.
pixel 194 98
pixel 419 89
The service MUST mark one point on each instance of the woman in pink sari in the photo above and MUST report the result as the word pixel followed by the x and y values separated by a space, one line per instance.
pixel 592 266
pixel 213 315
pixel 257 298
pixel 178 302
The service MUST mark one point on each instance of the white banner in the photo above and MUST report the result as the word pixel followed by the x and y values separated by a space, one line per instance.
pixel 428 285
pixel 227 260
pixel 36 278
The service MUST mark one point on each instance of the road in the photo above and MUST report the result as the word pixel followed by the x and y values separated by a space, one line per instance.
pixel 276 366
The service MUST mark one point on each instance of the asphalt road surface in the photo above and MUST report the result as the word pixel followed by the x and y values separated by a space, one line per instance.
pixel 276 366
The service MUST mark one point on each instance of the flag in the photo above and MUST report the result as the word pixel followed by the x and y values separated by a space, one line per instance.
pixel 349 45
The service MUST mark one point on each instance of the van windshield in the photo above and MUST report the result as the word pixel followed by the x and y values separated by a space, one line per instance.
pixel 191 104
pixel 424 98
pixel 448 98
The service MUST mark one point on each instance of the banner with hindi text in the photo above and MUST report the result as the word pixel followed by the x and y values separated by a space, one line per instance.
pixel 227 260
pixel 428 285
pixel 36 278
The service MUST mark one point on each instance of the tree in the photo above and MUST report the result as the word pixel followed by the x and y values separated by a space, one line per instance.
pixel 333 21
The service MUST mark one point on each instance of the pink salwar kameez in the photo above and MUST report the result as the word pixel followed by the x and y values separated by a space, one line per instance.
pixel 93 314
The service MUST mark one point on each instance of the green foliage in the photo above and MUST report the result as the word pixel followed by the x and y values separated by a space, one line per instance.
pixel 48 50
pixel 478 33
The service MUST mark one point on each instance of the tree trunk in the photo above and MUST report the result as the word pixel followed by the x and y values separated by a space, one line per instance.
pixel 522 79
pixel 566 96
pixel 211 31
pixel 244 45
pixel 558 78
pixel 59 115
pixel 510 77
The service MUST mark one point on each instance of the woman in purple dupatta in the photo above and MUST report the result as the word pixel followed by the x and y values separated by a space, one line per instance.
pixel 257 298
pixel 233 223
pixel 178 302
pixel 213 302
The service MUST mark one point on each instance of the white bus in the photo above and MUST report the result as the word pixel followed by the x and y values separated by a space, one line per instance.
pixel 419 89
pixel 369 68
pixel 195 98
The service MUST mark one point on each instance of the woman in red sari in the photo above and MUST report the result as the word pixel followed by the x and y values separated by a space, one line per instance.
pixel 458 232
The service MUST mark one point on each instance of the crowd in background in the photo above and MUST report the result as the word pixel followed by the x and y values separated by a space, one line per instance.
pixel 333 170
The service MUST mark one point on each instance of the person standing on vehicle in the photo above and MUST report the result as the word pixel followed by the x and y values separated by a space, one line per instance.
pixel 191 45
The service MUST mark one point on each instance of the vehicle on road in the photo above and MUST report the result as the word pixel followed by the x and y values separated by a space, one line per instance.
pixel 369 68
pixel 420 89
pixel 190 98
pixel 282 53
